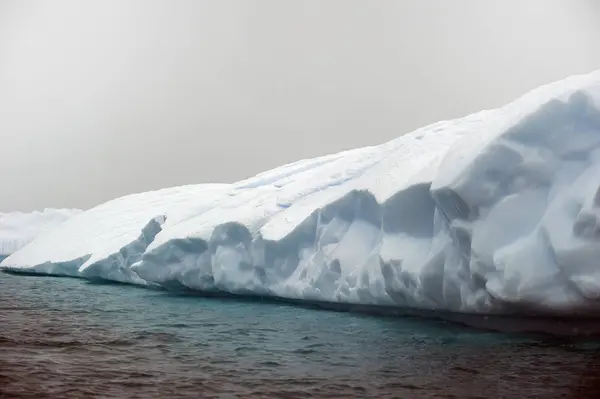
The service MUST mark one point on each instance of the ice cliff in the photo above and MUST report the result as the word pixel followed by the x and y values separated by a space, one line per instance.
pixel 493 212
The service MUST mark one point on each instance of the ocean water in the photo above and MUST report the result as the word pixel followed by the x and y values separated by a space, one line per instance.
pixel 63 338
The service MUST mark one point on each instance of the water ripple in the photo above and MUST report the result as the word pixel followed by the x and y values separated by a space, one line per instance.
pixel 64 338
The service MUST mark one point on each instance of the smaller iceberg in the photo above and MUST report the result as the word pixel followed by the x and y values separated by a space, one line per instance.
pixel 18 229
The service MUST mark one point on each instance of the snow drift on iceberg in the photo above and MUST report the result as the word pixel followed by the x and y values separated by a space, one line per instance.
pixel 493 212
pixel 19 228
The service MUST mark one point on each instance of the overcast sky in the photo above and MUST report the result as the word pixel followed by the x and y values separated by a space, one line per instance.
pixel 108 97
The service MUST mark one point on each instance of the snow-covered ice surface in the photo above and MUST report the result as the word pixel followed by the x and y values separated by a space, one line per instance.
pixel 19 228
pixel 104 241
pixel 495 212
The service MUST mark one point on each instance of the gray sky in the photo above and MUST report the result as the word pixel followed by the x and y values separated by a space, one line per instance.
pixel 103 98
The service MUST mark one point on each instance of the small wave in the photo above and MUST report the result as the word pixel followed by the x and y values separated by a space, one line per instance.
pixel 51 343
pixel 162 337
pixel 304 351
pixel 270 364
pixel 176 325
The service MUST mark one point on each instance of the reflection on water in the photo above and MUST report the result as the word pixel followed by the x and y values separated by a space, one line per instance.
pixel 69 338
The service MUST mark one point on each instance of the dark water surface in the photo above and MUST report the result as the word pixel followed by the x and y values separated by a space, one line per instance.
pixel 63 338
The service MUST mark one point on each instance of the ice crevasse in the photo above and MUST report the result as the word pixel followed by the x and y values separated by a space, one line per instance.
pixel 494 211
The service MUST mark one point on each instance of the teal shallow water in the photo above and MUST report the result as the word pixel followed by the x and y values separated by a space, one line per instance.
pixel 69 338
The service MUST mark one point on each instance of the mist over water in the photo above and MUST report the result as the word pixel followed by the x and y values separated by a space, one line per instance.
pixel 105 98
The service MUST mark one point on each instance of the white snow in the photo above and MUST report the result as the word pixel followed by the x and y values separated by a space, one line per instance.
pixel 104 241
pixel 495 211
pixel 17 229
pixel 20 228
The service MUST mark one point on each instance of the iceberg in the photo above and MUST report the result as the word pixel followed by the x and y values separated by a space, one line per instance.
pixel 17 229
pixel 495 212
